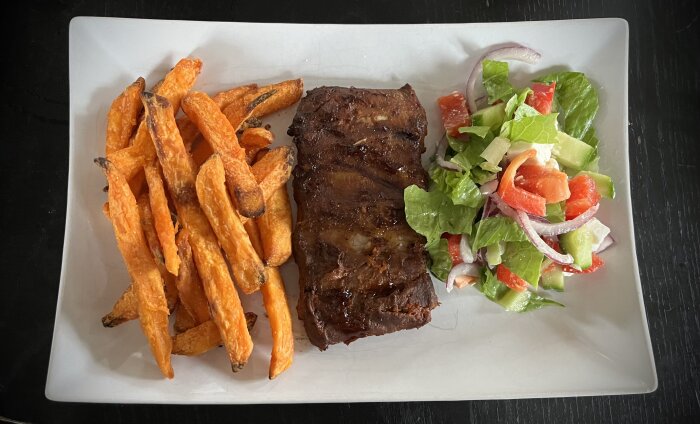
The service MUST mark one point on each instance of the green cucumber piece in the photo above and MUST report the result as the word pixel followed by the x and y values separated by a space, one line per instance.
pixel 603 184
pixel 572 152
pixel 553 279
pixel 491 116
pixel 579 244
pixel 494 253
pixel 514 301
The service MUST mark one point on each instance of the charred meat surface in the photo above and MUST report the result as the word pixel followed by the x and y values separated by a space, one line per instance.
pixel 362 269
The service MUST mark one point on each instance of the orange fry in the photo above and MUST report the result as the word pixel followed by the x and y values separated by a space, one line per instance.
pixel 203 338
pixel 148 284
pixel 173 87
pixel 274 169
pixel 123 115
pixel 124 309
pixel 248 269
pixel 254 140
pixel 264 101
pixel 183 319
pixel 275 301
pixel 218 132
pixel 189 285
pixel 180 177
pixel 161 216
pixel 276 228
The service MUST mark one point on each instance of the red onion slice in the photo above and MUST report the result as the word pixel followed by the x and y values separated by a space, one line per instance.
pixel 489 187
pixel 500 204
pixel 607 242
pixel 522 219
pixel 514 52
pixel 548 229
pixel 471 270
pixel 440 156
pixel 465 251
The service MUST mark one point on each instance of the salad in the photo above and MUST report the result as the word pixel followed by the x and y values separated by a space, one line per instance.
pixel 514 186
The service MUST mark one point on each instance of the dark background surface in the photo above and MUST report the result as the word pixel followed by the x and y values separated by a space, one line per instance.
pixel 664 99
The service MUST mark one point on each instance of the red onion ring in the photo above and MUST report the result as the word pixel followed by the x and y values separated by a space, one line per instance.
pixel 465 251
pixel 549 229
pixel 471 270
pixel 607 242
pixel 514 52
pixel 522 219
pixel 440 156
pixel 489 187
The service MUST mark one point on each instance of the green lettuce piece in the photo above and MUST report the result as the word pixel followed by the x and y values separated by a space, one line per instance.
pixel 534 129
pixel 524 110
pixel 490 286
pixel 479 131
pixel 456 144
pixel 462 159
pixel 441 261
pixel 524 260
pixel 576 101
pixel 495 77
pixel 432 213
pixel 515 102
pixel 457 185
pixel 482 176
pixel 494 229
pixel 536 302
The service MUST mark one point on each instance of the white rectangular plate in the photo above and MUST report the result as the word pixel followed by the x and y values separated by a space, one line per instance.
pixel 598 344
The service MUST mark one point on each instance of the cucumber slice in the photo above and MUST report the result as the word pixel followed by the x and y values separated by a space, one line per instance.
pixel 514 301
pixel 494 253
pixel 553 279
pixel 491 116
pixel 572 152
pixel 603 184
pixel 579 244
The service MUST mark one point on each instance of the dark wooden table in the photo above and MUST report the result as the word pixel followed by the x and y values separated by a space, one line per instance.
pixel 664 135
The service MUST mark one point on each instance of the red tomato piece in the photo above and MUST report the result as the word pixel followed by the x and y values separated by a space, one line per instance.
pixel 549 183
pixel 541 97
pixel 517 197
pixel 454 113
pixel 596 263
pixel 511 280
pixel 453 247
pixel 583 196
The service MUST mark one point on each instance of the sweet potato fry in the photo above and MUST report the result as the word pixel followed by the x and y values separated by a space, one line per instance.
pixel 201 152
pixel 277 310
pixel 183 320
pixel 149 230
pixel 148 284
pixel 189 285
pixel 161 216
pixel 275 301
pixel 263 101
pixel 188 130
pixel 276 228
pixel 253 140
pixel 180 177
pixel 124 309
pixel 173 87
pixel 203 338
pixel 248 269
pixel 123 115
pixel 274 169
pixel 222 138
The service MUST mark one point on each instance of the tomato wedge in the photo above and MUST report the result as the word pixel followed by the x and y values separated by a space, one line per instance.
pixel 516 197
pixel 583 196
pixel 541 97
pixel 453 247
pixel 511 280
pixel 549 183
pixel 596 264
pixel 454 113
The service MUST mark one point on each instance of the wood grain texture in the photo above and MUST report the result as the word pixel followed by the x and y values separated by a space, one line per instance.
pixel 664 152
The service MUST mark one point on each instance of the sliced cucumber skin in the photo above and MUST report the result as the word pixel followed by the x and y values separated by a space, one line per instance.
pixel 578 244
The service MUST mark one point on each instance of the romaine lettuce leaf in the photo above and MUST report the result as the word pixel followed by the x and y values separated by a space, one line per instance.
pixel 479 131
pixel 515 101
pixel 555 212
pixel 494 229
pixel 534 129
pixel 577 102
pixel 495 77
pixel 441 261
pixel 457 185
pixel 524 260
pixel 490 286
pixel 432 213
